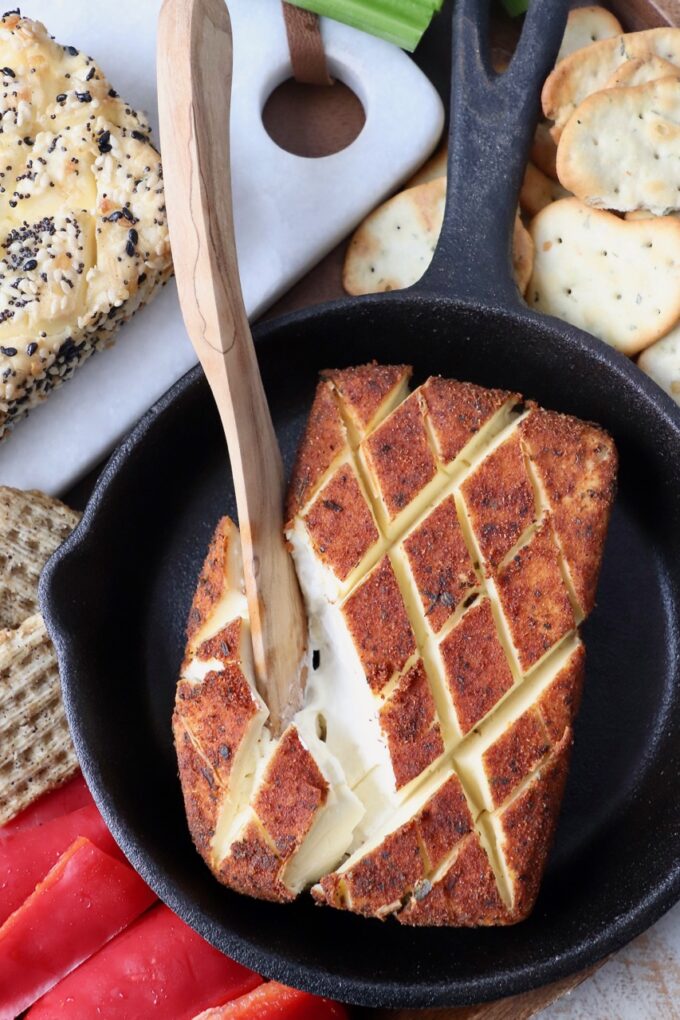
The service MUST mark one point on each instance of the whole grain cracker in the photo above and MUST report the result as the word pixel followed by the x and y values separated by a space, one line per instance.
pixel 32 526
pixel 616 279
pixel 538 190
pixel 661 362
pixel 586 25
pixel 621 148
pixel 36 752
pixel 639 72
pixel 393 247
pixel 588 70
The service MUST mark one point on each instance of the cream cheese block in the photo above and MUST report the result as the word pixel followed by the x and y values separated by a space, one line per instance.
pixel 83 233
pixel 447 542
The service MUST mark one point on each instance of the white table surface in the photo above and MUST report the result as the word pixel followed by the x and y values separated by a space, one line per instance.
pixel 641 982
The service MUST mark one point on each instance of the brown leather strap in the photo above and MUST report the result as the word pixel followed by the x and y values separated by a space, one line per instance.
pixel 307 54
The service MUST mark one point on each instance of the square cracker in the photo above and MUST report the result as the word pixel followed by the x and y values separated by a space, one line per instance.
pixel 32 526
pixel 36 753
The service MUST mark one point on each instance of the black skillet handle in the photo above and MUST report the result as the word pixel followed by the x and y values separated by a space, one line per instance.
pixel 493 117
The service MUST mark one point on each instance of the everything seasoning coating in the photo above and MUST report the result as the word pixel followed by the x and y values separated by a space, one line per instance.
pixel 84 240
pixel 448 545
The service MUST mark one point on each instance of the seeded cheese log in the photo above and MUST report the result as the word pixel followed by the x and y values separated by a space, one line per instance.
pixel 448 544
pixel 83 235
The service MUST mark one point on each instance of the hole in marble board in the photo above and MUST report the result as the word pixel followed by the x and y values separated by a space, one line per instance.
pixel 313 120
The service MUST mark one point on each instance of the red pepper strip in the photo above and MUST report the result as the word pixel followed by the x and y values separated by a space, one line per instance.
pixel 72 795
pixel 27 856
pixel 276 1002
pixel 159 968
pixel 86 899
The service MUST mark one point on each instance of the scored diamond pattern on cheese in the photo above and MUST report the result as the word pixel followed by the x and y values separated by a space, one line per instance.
pixel 447 544
pixel 83 233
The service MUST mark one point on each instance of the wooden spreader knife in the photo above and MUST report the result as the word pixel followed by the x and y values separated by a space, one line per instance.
pixel 194 92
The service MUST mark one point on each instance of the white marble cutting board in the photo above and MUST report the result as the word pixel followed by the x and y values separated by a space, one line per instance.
pixel 289 210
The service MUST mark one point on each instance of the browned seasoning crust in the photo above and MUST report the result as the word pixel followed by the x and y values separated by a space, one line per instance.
pixel 466 896
pixel 409 722
pixel 443 821
pixel 201 790
pixel 552 478
pixel 254 868
pixel 560 702
pixel 457 411
pixel 534 597
pixel 292 792
pixel 340 523
pixel 515 755
pixel 576 463
pixel 440 563
pixel 324 439
pixel 225 645
pixel 500 500
pixel 363 389
pixel 475 665
pixel 399 456
pixel 378 622
pixel 381 879
pixel 384 877
pixel 212 579
pixel 528 826
pixel 217 712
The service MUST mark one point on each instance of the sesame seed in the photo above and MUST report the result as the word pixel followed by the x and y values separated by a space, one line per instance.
pixel 30 264
pixel 91 74
pixel 139 137
pixel 133 235
pixel 8 72
pixel 71 50
pixel 61 98
pixel 83 97
pixel 8 351
pixel 31 349
pixel 130 248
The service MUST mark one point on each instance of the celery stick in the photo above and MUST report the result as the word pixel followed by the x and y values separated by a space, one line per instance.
pixel 515 7
pixel 399 21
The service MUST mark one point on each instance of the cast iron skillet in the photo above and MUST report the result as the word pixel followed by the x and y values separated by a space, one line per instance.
pixel 116 595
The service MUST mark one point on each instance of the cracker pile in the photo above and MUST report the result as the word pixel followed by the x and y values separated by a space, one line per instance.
pixel 600 199
pixel 36 753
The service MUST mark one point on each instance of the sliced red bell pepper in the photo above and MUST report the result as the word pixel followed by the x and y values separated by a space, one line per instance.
pixel 27 856
pixel 72 795
pixel 86 899
pixel 159 967
pixel 276 1002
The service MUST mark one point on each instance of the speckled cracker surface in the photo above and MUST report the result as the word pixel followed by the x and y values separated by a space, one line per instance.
pixel 641 71
pixel 586 25
pixel 588 70
pixel 394 245
pixel 621 148
pixel 448 543
pixel 83 235
pixel 615 278
pixel 661 362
